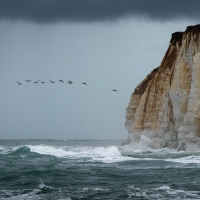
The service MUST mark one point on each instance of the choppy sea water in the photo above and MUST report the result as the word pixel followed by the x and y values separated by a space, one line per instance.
pixel 69 170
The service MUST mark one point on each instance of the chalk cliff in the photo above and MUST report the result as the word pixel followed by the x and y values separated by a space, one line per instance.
pixel 165 106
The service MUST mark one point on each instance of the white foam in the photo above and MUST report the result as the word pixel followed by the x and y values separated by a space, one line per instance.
pixel 103 154
pixel 143 193
pixel 5 150
pixel 186 160
pixel 164 187
pixel 1 148
pixel 32 193
pixel 142 147
pixel 48 150
pixel 12 195
pixel 177 192
pixel 43 186
pixel 165 154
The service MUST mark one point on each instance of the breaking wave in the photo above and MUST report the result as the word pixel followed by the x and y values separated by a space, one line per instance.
pixel 102 154
pixel 107 155
pixel 110 154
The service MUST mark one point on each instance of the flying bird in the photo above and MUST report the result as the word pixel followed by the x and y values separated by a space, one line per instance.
pixel 42 82
pixel 84 83
pixel 70 82
pixel 19 83
pixel 61 81
pixel 114 90
pixel 36 82
pixel 27 80
pixel 51 81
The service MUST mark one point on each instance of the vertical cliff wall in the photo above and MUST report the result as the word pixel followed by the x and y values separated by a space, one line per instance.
pixel 165 106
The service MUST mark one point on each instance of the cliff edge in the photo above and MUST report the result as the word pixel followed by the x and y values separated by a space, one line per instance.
pixel 165 106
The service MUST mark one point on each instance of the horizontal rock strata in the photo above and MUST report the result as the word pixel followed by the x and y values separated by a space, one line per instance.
pixel 165 106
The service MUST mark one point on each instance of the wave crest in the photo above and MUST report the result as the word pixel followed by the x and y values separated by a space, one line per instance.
pixel 102 154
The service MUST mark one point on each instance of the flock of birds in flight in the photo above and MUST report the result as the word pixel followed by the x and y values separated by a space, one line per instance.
pixel 61 81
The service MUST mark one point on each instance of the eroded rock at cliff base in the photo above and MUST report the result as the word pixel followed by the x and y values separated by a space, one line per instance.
pixel 165 106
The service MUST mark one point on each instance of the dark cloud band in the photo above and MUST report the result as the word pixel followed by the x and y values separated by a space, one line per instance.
pixel 47 11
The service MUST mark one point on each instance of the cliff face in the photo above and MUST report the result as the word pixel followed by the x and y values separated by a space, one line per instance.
pixel 165 106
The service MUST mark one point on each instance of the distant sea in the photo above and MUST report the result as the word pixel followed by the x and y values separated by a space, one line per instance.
pixel 94 169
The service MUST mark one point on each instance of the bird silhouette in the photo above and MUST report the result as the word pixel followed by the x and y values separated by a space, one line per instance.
pixel 27 80
pixel 70 82
pixel 84 83
pixel 61 81
pixel 36 82
pixel 114 90
pixel 42 82
pixel 51 81
pixel 19 83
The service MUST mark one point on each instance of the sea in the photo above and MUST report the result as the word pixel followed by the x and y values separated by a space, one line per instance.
pixel 95 169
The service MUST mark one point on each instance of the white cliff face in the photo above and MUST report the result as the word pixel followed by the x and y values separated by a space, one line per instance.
pixel 165 106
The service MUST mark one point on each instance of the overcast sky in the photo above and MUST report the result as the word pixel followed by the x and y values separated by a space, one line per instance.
pixel 107 44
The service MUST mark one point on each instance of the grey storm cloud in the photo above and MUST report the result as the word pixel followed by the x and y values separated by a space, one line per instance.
pixel 47 11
